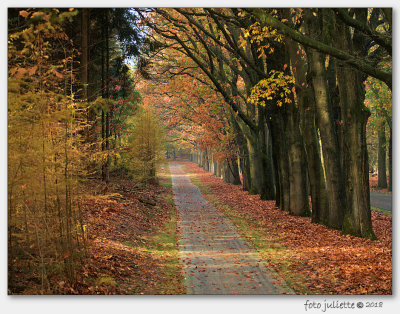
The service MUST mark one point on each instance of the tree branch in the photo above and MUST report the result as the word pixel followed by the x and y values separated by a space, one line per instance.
pixel 380 39
pixel 356 62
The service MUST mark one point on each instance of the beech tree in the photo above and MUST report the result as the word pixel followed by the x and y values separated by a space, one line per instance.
pixel 284 78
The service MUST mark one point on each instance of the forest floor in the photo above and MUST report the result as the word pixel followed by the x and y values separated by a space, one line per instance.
pixel 132 245
pixel 311 258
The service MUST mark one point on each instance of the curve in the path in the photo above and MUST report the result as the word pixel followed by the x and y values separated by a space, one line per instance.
pixel 381 200
pixel 216 259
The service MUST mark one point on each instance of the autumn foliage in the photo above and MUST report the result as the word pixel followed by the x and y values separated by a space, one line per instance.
pixel 47 233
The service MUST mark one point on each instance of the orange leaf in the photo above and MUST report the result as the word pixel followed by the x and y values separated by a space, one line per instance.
pixel 13 70
pixel 24 13
pixel 20 73
pixel 66 254
pixel 32 70
pixel 58 74
pixel 37 14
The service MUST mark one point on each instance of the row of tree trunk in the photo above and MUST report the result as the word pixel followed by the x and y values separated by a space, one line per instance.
pixel 228 169
pixel 314 146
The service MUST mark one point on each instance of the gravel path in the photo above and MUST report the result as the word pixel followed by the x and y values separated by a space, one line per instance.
pixel 216 260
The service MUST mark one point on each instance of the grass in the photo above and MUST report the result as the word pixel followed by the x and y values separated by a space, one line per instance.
pixel 383 211
pixel 258 237
pixel 164 243
pixel 165 177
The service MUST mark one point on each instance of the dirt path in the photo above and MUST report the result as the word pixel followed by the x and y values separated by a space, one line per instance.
pixel 216 260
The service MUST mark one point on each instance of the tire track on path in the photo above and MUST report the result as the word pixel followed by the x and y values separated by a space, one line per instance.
pixel 216 259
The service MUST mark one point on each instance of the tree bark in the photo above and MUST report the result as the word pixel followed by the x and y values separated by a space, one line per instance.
pixel 107 88
pixel 331 156
pixel 340 54
pixel 218 171
pixel 245 166
pixel 382 179
pixel 257 173
pixel 280 151
pixel 299 204
pixel 357 218
pixel 319 197
pixel 306 105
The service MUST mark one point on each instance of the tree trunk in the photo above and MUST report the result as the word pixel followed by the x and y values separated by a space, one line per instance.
pixel 212 165
pixel 267 163
pixel 107 80
pixel 207 160
pixel 330 151
pixel 256 169
pixel 382 179
pixel 226 172
pixel 243 153
pixel 234 168
pixel 357 218
pixel 245 166
pixel 306 105
pixel 319 198
pixel 299 204
pixel 280 153
pixel 218 171
pixel 261 178
pixel 230 171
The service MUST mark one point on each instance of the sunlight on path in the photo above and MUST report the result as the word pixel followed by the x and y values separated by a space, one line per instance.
pixel 216 260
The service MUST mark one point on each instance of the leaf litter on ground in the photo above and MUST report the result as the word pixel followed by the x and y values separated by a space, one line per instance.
pixel 120 225
pixel 328 261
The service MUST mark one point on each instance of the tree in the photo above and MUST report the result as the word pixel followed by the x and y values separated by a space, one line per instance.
pixel 146 146
pixel 289 86
pixel 45 126
pixel 353 60
pixel 379 101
